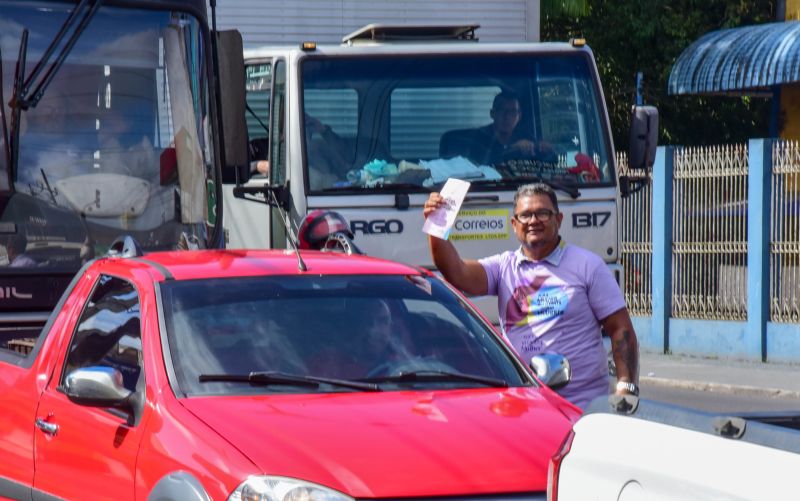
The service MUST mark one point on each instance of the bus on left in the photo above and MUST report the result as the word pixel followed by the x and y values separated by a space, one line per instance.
pixel 111 125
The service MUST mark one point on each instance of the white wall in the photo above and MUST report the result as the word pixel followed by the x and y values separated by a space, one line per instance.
pixel 263 22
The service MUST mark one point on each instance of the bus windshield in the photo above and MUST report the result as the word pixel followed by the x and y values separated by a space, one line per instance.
pixel 410 122
pixel 117 144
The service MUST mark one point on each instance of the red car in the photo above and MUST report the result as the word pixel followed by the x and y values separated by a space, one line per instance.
pixel 234 375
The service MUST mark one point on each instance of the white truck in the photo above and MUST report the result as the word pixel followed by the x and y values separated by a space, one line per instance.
pixel 370 127
pixel 636 450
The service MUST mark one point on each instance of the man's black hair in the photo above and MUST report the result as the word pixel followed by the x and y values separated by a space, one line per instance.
pixel 529 190
pixel 506 95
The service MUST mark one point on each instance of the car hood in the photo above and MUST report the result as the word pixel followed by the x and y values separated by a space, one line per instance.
pixel 397 444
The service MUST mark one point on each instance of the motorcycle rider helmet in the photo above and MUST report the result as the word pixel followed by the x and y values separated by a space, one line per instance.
pixel 320 224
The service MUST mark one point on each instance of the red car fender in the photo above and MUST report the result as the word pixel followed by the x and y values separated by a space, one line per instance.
pixel 179 452
pixel 176 441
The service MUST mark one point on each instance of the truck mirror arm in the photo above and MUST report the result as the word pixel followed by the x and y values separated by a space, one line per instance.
pixel 281 194
pixel 628 185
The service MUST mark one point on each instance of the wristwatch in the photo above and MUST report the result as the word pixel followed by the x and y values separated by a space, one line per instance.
pixel 629 387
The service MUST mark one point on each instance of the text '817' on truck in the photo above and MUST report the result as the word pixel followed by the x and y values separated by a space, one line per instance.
pixel 370 127
pixel 111 125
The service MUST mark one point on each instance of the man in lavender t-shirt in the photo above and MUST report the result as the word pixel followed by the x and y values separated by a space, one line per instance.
pixel 552 296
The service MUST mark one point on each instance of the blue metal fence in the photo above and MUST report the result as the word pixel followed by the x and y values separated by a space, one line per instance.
pixel 764 326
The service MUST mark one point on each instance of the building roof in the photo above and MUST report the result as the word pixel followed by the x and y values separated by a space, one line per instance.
pixel 744 60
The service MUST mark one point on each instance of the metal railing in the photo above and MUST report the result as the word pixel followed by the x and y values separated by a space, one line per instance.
pixel 709 232
pixel 636 244
pixel 784 263
pixel 709 235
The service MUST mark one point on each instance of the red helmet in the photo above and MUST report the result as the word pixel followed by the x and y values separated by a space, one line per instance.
pixel 320 224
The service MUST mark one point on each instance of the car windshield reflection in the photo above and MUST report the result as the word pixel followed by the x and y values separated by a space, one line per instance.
pixel 256 335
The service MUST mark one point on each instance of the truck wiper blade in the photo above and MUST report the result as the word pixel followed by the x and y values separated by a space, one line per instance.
pixel 438 376
pixel 3 122
pixel 388 187
pixel 282 378
pixel 569 190
pixel 23 101
pixel 22 98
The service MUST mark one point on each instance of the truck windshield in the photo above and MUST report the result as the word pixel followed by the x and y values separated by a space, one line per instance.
pixel 406 122
pixel 116 145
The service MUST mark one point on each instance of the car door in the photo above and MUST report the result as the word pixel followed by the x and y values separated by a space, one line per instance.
pixel 83 452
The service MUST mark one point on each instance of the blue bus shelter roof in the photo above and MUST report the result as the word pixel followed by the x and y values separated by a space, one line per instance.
pixel 744 60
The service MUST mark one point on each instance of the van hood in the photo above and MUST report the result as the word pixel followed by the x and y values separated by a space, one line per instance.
pixel 397 444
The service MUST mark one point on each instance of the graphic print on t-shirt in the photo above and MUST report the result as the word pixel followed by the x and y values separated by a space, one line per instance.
pixel 535 302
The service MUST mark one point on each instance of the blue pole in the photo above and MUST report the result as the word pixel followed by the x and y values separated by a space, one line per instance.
pixel 662 245
pixel 758 199
pixel 639 84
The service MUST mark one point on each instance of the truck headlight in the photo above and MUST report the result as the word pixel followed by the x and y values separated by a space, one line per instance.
pixel 264 488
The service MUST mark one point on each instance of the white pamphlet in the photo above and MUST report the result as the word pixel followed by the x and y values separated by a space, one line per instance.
pixel 440 221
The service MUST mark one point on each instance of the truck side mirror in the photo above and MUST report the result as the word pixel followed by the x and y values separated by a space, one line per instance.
pixel 232 96
pixel 644 137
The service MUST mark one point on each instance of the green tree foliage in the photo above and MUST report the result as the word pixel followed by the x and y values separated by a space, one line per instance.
pixel 627 36
pixel 566 8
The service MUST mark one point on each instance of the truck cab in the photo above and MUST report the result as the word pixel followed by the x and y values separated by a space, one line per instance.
pixel 369 128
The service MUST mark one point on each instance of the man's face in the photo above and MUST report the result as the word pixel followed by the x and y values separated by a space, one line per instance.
pixel 506 116
pixel 536 233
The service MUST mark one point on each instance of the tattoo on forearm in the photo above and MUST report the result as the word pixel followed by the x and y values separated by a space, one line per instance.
pixel 626 353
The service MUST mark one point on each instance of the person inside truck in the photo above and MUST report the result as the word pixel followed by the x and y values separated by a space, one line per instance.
pixel 501 140
pixel 552 296
pixel 327 162
pixel 16 245
pixel 258 150
pixel 334 160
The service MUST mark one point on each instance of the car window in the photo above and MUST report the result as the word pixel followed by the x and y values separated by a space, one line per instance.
pixel 344 327
pixel 258 85
pixel 108 333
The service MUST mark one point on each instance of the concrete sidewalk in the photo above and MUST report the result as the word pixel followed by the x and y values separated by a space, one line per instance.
pixel 710 374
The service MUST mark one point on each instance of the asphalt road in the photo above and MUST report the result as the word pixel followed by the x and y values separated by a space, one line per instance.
pixel 719 401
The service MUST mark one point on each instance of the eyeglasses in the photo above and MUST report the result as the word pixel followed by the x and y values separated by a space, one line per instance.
pixel 541 215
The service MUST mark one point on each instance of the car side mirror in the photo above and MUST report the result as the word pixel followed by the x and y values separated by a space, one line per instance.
pixel 552 369
pixel 644 137
pixel 97 387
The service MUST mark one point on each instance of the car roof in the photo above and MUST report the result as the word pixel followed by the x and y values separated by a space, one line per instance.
pixel 189 265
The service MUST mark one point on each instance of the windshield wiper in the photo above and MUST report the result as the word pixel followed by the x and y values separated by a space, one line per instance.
pixel 569 190
pixel 438 376
pixel 23 99
pixel 388 187
pixel 4 123
pixel 282 378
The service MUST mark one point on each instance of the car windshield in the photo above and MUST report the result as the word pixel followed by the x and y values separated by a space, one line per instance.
pixel 411 122
pixel 288 334
pixel 116 144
